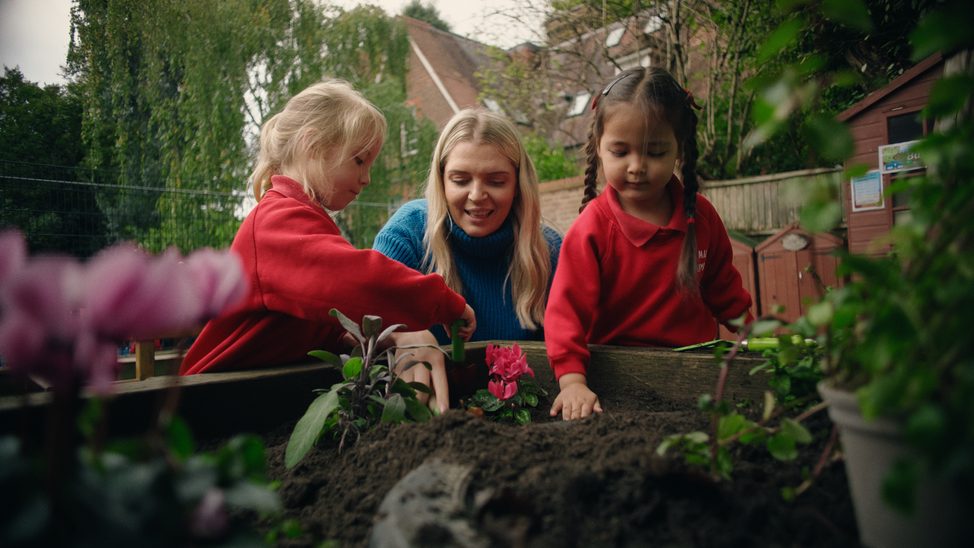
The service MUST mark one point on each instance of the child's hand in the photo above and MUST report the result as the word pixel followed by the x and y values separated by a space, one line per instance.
pixel 470 319
pixel 575 400
pixel 435 377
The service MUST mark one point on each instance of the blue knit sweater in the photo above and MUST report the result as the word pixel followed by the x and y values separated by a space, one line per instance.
pixel 481 262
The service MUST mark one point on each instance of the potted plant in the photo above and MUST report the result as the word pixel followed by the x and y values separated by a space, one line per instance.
pixel 899 363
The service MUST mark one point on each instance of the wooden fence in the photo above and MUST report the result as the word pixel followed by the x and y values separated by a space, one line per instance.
pixel 757 206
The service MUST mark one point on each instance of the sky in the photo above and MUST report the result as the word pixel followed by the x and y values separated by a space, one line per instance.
pixel 34 34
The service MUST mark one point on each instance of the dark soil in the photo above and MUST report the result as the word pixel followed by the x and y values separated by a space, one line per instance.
pixel 595 482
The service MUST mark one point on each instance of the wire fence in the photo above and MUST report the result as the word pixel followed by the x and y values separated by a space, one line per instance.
pixel 76 211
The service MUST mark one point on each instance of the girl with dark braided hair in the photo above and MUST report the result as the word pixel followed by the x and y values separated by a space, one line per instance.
pixel 648 262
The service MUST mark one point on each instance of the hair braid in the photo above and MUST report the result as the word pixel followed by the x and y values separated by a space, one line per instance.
pixel 687 268
pixel 591 166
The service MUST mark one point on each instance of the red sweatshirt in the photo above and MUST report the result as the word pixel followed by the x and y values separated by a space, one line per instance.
pixel 616 282
pixel 300 267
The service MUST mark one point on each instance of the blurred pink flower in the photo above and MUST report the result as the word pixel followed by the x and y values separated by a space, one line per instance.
pixel 210 518
pixel 131 294
pixel 13 253
pixel 220 279
pixel 61 321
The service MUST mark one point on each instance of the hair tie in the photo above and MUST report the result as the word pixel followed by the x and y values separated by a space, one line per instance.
pixel 690 99
pixel 691 220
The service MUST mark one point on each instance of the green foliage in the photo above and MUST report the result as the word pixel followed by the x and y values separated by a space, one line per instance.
pixel 174 92
pixel 134 491
pixel 893 333
pixel 514 409
pixel 425 12
pixel 41 142
pixel 370 391
pixel 550 162
pixel 791 368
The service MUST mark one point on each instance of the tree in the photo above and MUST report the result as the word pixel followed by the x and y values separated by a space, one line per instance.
pixel 425 12
pixel 40 142
pixel 174 93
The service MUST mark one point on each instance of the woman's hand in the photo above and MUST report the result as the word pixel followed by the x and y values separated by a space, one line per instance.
pixel 575 400
pixel 435 377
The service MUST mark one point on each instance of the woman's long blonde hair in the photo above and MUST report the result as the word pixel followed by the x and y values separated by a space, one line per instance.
pixel 319 128
pixel 530 267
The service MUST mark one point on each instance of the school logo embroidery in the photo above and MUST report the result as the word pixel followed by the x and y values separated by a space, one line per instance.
pixel 701 260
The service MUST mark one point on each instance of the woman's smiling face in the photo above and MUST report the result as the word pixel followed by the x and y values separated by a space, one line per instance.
pixel 480 184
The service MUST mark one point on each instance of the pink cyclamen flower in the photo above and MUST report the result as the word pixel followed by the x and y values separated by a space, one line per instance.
pixel 131 294
pixel 507 363
pixel 220 279
pixel 501 389
pixel 13 253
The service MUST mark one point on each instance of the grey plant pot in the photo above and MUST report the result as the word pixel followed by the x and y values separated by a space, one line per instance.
pixel 871 448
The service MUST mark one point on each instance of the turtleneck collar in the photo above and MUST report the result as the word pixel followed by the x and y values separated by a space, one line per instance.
pixel 497 244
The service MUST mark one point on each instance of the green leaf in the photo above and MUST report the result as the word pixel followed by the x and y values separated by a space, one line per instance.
pixel 946 30
pixel 730 425
pixel 829 137
pixel 420 387
pixel 796 431
pixel 782 447
pixel 326 357
pixel 371 326
pixel 388 331
pixel 179 439
pixel 459 353
pixel 248 495
pixel 820 314
pixel 348 324
pixel 899 485
pixel 394 410
pixel 785 35
pixel 820 217
pixel 725 465
pixel 530 399
pixel 949 95
pixel 418 411
pixel 851 13
pixel 522 416
pixel 309 427
pixel 352 368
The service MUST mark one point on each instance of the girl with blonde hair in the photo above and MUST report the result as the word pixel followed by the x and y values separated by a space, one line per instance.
pixel 480 228
pixel 314 157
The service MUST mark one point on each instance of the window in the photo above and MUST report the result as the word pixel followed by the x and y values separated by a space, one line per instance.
pixel 638 59
pixel 901 128
pixel 492 105
pixel 579 103
pixel 654 23
pixel 408 140
pixel 614 37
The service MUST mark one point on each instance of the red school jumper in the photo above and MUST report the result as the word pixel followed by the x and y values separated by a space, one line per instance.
pixel 300 267
pixel 616 282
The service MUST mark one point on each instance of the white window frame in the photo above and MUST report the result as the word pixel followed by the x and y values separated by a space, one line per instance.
pixel 614 37
pixel 653 24
pixel 580 102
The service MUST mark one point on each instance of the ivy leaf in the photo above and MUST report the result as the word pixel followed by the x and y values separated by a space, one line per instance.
pixel 394 410
pixel 309 427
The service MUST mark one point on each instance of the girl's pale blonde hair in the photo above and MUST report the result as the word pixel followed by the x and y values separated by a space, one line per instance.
pixel 319 128
pixel 530 267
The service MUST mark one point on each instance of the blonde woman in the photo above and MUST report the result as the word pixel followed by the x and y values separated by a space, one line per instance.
pixel 314 157
pixel 479 227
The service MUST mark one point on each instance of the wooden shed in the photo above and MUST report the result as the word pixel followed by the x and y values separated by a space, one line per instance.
pixel 782 263
pixel 744 262
pixel 884 124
